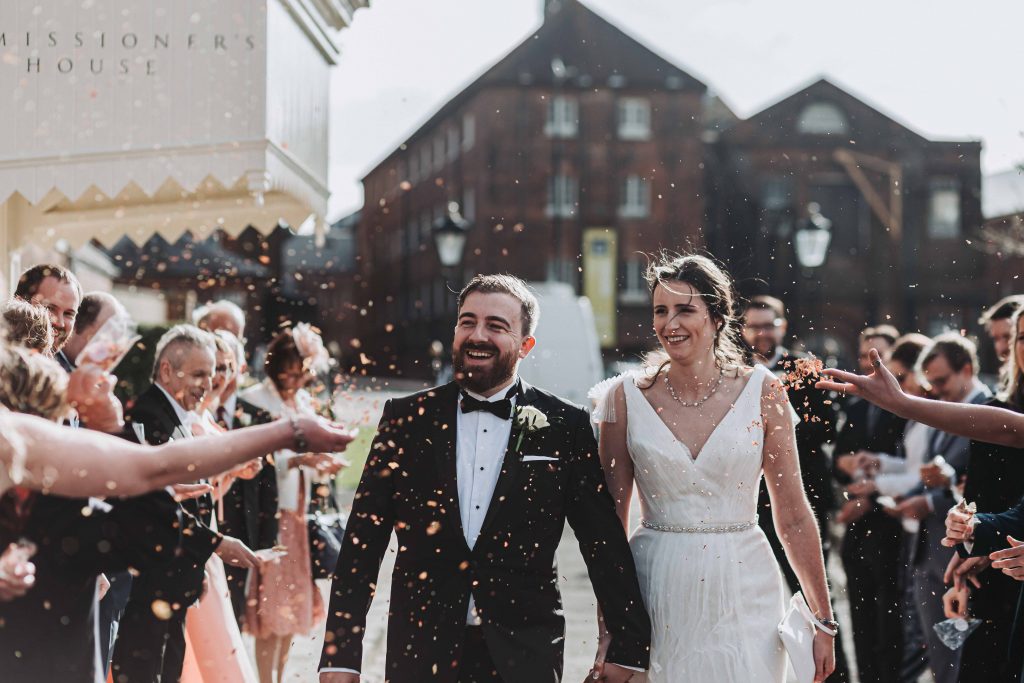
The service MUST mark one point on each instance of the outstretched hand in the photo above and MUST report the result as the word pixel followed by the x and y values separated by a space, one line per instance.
pixel 323 436
pixel 1011 560
pixel 880 387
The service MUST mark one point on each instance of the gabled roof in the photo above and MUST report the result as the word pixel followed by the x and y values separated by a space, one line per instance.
pixel 186 258
pixel 788 109
pixel 595 53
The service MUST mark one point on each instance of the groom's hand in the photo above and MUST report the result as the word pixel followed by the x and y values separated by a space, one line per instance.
pixel 338 677
pixel 613 673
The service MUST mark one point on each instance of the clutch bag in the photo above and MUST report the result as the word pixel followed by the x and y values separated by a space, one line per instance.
pixel 797 633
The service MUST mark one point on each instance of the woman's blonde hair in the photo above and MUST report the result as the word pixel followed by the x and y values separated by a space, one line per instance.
pixel 28 325
pixel 715 288
pixel 1012 389
pixel 32 383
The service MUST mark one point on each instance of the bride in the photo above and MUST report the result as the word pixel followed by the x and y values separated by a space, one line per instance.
pixel 694 433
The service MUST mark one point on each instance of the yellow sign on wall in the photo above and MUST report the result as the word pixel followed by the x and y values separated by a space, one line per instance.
pixel 600 275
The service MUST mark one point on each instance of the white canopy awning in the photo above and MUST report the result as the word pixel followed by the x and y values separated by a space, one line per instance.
pixel 135 117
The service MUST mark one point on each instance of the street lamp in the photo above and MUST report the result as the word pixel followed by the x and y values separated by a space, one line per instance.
pixel 813 236
pixel 450 233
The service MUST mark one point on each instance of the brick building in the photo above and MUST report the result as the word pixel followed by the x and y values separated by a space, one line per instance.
pixel 582 150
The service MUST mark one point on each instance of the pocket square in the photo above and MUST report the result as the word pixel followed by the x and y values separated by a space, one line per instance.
pixel 536 458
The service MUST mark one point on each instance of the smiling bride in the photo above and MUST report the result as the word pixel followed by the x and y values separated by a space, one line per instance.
pixel 694 434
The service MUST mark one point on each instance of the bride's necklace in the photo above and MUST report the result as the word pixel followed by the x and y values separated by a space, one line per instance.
pixel 698 403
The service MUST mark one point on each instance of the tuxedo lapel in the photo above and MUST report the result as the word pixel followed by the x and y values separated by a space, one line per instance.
pixel 442 434
pixel 513 460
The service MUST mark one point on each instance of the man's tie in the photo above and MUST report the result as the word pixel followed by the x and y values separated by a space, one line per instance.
pixel 502 408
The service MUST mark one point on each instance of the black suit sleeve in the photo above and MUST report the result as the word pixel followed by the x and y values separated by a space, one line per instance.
pixel 992 530
pixel 367 535
pixel 267 526
pixel 591 513
pixel 141 532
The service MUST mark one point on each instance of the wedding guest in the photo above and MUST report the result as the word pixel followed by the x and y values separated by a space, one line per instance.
pixel 871 545
pixel 56 289
pixel 286 602
pixel 249 506
pixel 995 482
pixel 50 633
pixel 996 320
pixel 220 315
pixel 151 646
pixel 95 310
pixel 950 366
pixel 29 326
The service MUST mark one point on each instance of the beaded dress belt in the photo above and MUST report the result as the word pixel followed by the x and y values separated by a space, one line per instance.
pixel 705 529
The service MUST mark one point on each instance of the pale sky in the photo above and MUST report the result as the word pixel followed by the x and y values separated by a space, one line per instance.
pixel 947 69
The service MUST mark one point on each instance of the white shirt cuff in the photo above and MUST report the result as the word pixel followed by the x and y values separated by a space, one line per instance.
pixel 332 670
pixel 631 668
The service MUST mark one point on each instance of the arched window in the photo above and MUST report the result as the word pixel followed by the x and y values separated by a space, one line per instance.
pixel 822 118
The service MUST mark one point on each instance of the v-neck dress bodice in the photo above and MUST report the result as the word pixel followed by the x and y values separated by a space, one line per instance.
pixel 711 583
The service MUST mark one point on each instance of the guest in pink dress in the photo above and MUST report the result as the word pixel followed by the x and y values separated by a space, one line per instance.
pixel 283 600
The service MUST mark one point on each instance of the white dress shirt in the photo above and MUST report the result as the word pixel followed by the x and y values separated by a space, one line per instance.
pixel 482 439
pixel 185 417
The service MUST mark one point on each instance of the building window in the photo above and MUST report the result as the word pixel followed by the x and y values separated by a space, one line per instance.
pixel 469 204
pixel 634 286
pixel 562 194
pixel 468 132
pixel 561 270
pixel 563 117
pixel 414 168
pixel 822 118
pixel 635 198
pixel 438 152
pixel 425 161
pixel 944 208
pixel 453 143
pixel 426 227
pixel 634 118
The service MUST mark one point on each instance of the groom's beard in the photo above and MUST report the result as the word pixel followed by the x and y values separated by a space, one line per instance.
pixel 482 377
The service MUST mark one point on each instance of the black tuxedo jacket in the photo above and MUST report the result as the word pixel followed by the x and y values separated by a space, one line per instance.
pixel 250 505
pixel 409 486
pixel 181 582
pixel 50 634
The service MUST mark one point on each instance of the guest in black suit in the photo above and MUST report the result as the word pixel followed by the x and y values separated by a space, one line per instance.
pixel 49 634
pixel 479 504
pixel 949 365
pixel 96 309
pixel 56 289
pixel 151 644
pixel 995 482
pixel 871 545
pixel 249 505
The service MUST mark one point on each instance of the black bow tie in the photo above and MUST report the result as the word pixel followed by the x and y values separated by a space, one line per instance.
pixel 502 408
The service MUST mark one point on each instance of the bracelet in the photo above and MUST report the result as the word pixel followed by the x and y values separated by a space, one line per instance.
pixel 827 626
pixel 300 437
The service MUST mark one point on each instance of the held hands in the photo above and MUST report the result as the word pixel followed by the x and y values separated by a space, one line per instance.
pixel 612 673
pixel 338 677
pixel 91 393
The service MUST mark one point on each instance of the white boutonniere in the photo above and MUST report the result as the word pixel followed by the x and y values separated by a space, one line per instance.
pixel 244 419
pixel 529 419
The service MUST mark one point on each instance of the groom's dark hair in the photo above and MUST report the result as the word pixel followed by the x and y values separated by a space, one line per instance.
pixel 511 285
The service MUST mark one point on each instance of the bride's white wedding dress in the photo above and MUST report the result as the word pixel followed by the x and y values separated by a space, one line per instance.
pixel 711 583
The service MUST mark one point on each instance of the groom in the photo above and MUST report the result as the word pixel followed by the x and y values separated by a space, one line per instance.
pixel 477 478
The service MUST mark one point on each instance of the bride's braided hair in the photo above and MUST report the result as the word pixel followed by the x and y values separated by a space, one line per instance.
pixel 715 288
